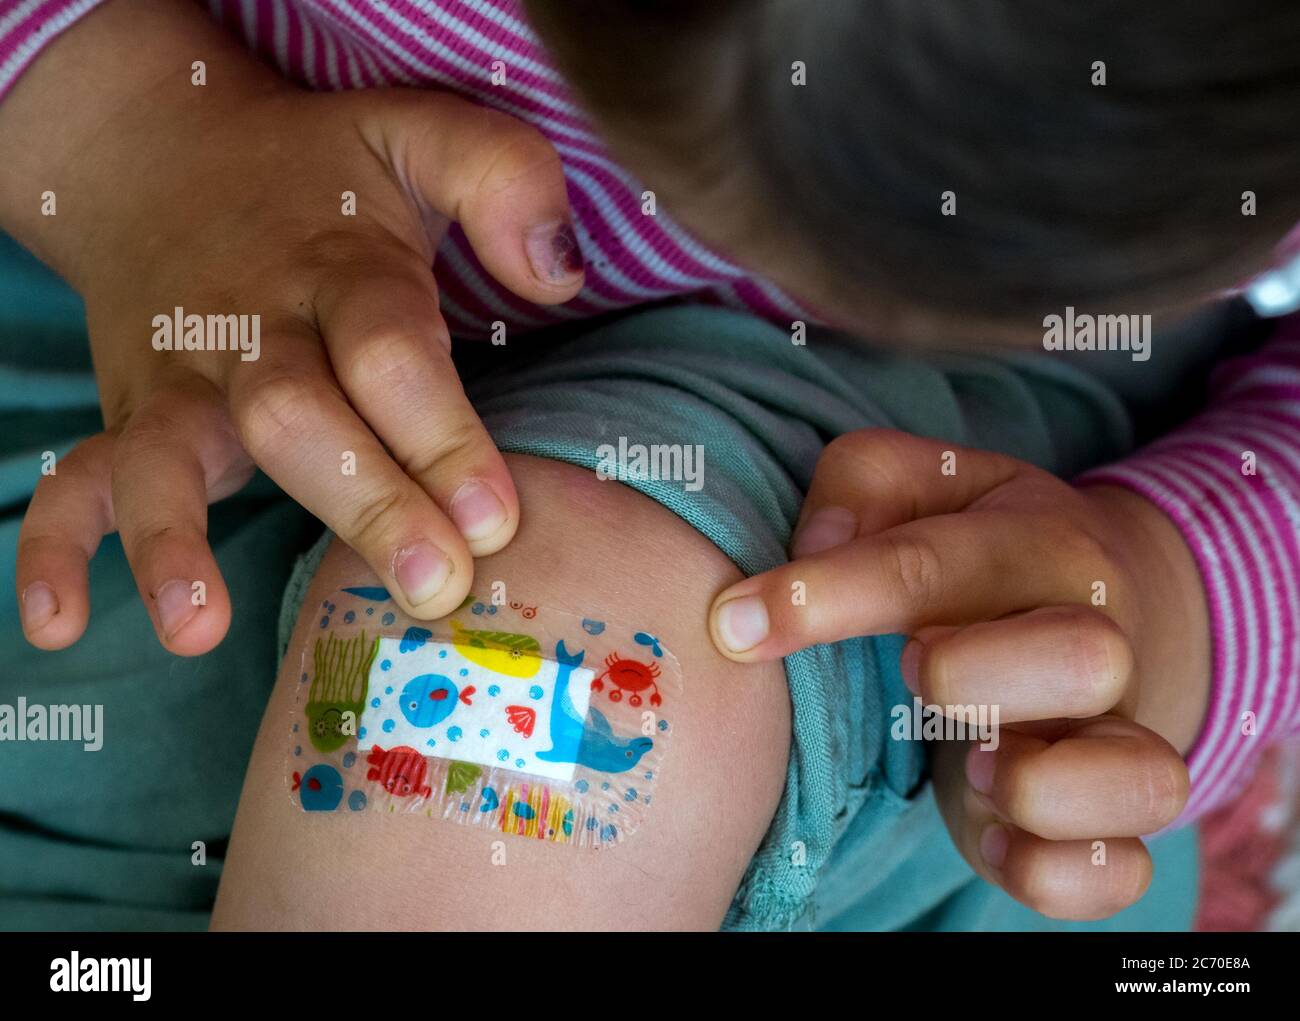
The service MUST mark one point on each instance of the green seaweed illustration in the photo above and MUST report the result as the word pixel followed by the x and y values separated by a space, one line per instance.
pixel 338 688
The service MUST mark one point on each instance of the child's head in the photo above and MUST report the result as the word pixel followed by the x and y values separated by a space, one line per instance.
pixel 1125 196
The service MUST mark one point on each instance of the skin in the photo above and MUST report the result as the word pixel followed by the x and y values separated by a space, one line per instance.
pixel 167 195
pixel 589 545
pixel 149 170
pixel 991 571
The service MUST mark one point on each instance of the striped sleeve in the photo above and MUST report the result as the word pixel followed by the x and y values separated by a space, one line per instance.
pixel 27 27
pixel 1230 480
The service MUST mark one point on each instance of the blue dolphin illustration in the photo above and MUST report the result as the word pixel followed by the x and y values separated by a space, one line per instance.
pixel 596 747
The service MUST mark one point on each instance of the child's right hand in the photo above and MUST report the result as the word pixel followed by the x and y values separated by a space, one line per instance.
pixel 224 200
pixel 994 570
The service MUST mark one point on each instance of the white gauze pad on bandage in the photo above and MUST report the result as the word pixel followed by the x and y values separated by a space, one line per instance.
pixel 540 723
pixel 434 697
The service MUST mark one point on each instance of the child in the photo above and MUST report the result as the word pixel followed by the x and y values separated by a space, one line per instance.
pixel 1159 151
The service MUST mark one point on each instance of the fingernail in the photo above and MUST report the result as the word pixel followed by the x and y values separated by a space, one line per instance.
pixel 825 529
pixel 993 844
pixel 909 665
pixel 554 252
pixel 742 623
pixel 175 606
pixel 476 510
pixel 980 765
pixel 421 572
pixel 39 605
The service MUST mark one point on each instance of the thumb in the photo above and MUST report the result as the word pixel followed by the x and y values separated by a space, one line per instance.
pixel 501 180
pixel 875 479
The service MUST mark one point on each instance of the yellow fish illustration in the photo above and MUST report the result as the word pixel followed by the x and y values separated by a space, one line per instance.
pixel 500 651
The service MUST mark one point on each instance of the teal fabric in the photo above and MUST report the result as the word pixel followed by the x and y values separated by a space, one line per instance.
pixel 104 839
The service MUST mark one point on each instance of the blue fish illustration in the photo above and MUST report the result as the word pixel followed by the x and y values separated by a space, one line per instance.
pixel 430 698
pixel 379 595
pixel 596 747
pixel 320 789
pixel 644 638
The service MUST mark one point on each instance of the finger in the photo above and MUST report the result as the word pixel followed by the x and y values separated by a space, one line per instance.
pixel 501 180
pixel 70 511
pixel 391 354
pixel 873 479
pixel 953 569
pixel 301 430
pixel 1080 880
pixel 1072 879
pixel 176 454
pixel 1063 661
pixel 1108 777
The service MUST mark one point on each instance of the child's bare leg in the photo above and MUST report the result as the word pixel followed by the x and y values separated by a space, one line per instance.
pixel 583 543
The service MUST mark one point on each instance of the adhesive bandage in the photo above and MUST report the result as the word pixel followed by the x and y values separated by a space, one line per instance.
pixel 529 720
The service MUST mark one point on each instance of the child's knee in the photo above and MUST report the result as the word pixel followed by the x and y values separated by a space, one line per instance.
pixel 708 784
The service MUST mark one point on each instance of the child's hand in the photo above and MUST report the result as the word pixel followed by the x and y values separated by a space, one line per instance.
pixel 1078 612
pixel 229 203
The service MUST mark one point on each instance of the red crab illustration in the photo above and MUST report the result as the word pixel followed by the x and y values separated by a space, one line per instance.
pixel 631 676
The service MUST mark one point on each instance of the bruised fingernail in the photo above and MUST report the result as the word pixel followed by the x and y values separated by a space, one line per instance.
pixel 909 665
pixel 39 605
pixel 554 252
pixel 421 572
pixel 477 511
pixel 994 842
pixel 176 606
pixel 742 623
pixel 979 768
pixel 825 529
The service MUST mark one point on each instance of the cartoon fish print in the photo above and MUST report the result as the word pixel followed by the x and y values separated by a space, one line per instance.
pixel 320 789
pixel 400 771
pixel 429 699
pixel 372 592
pixel 502 652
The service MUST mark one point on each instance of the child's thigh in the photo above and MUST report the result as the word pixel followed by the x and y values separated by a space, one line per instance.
pixel 583 544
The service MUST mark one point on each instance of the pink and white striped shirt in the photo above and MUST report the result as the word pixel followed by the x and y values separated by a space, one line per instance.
pixel 631 258
pixel 1230 479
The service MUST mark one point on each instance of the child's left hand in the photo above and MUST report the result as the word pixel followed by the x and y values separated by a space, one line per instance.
pixel 1079 612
